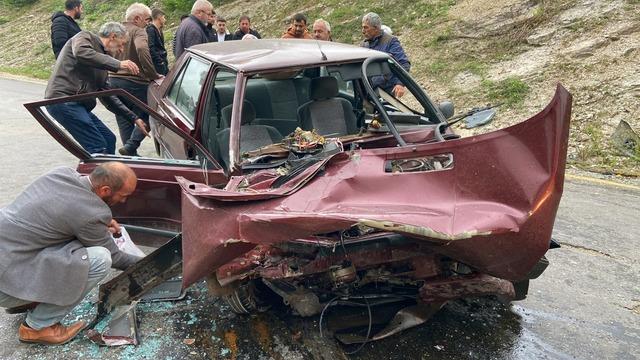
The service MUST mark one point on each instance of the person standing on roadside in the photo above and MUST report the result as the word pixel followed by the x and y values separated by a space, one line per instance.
pixel 193 30
pixel 55 246
pixel 376 39
pixel 82 68
pixel 156 41
pixel 298 28
pixel 244 28
pixel 64 25
pixel 136 50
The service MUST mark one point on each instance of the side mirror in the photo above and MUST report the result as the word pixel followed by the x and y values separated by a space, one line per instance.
pixel 446 108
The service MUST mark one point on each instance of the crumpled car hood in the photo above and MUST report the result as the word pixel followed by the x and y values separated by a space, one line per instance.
pixel 494 209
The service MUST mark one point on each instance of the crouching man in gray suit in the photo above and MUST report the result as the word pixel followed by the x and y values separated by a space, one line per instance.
pixel 55 246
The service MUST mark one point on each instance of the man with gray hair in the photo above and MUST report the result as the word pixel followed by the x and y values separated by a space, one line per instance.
pixel 322 30
pixel 137 17
pixel 376 39
pixel 82 68
pixel 193 30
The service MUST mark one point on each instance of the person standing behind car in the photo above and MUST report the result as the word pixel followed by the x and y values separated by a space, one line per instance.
pixel 322 30
pixel 82 68
pixel 137 17
pixel 244 28
pixel 221 34
pixel 192 30
pixel 376 39
pixel 156 42
pixel 298 28
pixel 64 25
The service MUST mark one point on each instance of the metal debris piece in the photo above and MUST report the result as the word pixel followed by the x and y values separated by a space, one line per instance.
pixel 406 318
pixel 480 118
pixel 170 290
pixel 303 141
pixel 163 263
pixel 121 330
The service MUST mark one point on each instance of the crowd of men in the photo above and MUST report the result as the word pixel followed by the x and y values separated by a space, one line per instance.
pixel 140 57
pixel 52 256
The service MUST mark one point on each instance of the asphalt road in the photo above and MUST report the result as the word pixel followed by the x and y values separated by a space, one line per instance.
pixel 585 306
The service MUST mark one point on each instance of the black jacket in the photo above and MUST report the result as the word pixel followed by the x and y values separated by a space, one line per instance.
pixel 239 34
pixel 228 37
pixel 157 49
pixel 63 28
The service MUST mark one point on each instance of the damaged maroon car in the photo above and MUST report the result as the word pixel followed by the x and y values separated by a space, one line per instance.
pixel 286 173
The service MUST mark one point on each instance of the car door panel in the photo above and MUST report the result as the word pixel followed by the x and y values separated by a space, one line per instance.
pixel 156 201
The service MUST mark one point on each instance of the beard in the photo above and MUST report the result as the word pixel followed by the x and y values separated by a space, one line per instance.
pixel 77 15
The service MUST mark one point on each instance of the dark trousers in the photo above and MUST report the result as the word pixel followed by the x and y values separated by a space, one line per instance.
pixel 85 127
pixel 130 134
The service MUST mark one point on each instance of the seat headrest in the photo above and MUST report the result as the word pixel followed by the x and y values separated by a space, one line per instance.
pixel 248 113
pixel 325 87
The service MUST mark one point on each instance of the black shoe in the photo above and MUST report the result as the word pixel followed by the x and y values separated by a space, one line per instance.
pixel 123 151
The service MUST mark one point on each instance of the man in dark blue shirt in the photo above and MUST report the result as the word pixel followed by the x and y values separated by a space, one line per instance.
pixel 376 39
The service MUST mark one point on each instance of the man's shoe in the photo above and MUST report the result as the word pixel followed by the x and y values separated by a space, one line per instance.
pixel 55 334
pixel 124 151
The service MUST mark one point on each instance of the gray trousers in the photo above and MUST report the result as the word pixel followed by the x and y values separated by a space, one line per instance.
pixel 45 315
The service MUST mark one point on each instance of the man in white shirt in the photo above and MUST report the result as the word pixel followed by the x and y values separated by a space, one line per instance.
pixel 221 30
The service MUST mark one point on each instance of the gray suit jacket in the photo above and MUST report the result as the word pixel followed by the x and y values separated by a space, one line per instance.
pixel 43 235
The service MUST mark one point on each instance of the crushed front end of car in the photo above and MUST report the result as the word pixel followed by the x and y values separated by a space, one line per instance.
pixel 366 221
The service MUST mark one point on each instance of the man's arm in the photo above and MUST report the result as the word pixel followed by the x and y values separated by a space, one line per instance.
pixel 192 36
pixel 396 50
pixel 58 35
pixel 141 43
pixel 158 61
pixel 95 233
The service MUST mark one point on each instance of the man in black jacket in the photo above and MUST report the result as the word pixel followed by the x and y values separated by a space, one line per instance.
pixel 156 41
pixel 244 28
pixel 82 68
pixel 64 25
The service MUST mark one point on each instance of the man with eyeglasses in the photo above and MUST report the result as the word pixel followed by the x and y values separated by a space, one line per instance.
pixel 192 30
pixel 137 17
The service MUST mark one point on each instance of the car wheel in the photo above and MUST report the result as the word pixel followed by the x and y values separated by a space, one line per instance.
pixel 246 298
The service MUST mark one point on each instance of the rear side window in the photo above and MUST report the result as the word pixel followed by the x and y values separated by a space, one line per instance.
pixel 185 91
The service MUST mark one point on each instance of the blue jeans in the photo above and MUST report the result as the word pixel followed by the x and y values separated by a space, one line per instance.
pixel 85 127
pixel 45 315
pixel 130 134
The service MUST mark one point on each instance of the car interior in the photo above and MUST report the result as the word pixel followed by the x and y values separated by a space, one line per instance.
pixel 324 99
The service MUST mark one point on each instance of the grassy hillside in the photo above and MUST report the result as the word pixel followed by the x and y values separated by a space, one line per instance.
pixel 472 52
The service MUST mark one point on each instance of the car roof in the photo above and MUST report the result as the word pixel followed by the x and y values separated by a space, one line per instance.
pixel 267 54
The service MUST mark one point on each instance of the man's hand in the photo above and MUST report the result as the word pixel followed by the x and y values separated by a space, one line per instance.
pixel 398 91
pixel 129 66
pixel 114 228
pixel 143 127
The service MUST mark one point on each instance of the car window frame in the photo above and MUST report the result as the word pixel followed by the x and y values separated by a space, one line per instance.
pixel 178 79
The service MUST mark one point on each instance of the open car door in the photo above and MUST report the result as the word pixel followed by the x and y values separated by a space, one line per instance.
pixel 156 201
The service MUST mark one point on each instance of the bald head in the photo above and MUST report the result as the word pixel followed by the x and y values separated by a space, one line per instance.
pixel 113 182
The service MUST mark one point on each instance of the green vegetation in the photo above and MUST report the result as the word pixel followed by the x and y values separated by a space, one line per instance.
pixel 510 91
pixel 17 3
